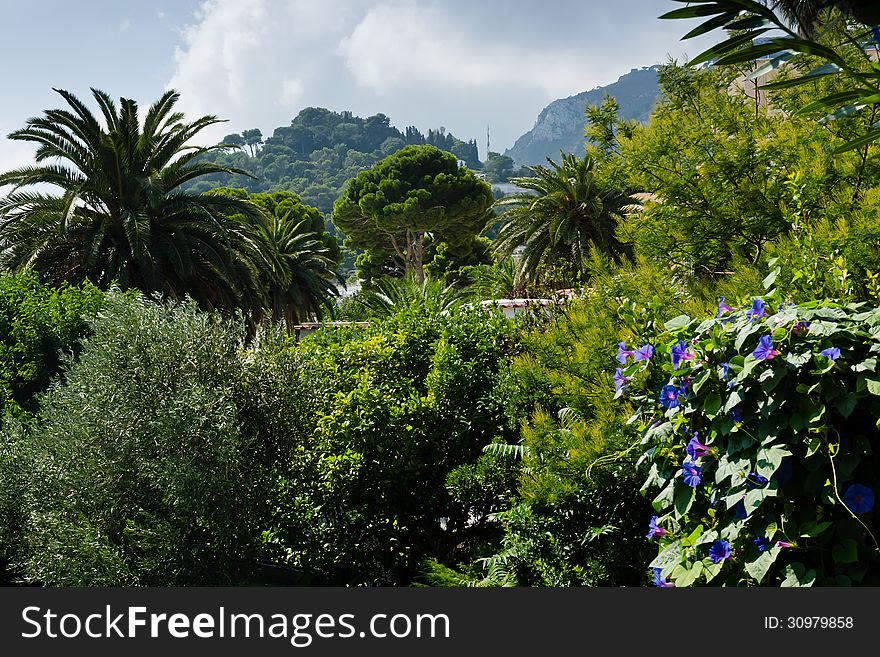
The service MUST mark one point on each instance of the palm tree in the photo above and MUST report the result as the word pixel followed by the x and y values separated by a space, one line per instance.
pixel 562 215
pixel 805 15
pixel 121 215
pixel 299 276
pixel 392 294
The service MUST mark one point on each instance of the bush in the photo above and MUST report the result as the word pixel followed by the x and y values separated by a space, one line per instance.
pixel 37 325
pixel 578 517
pixel 763 445
pixel 137 468
pixel 401 409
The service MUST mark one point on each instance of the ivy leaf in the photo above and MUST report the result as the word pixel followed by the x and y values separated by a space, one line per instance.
pixel 712 405
pixel 677 323
pixel 734 400
pixel 669 555
pixel 797 575
pixel 873 386
pixel 759 567
pixel 769 459
pixel 813 528
pixel 754 498
pixel 869 364
pixel 798 359
pixel 846 552
pixel 846 404
pixel 691 575
pixel 701 380
pixel 664 498
pixel 684 499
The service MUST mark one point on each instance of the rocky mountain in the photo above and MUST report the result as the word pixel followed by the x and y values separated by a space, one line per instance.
pixel 560 125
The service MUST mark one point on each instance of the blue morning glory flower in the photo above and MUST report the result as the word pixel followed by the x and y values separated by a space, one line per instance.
pixel 762 543
pixel 620 380
pixel 801 327
pixel 754 480
pixel 832 352
pixel 669 396
pixel 875 31
pixel 765 350
pixel 736 416
pixel 719 551
pixel 723 307
pixel 659 580
pixel 859 498
pixel 691 474
pixel 757 311
pixel 680 353
pixel 622 353
pixel 654 530
pixel 740 510
pixel 695 448
pixel 643 353
pixel 725 371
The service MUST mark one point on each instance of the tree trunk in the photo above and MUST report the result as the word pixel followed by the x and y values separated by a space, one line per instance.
pixel 416 251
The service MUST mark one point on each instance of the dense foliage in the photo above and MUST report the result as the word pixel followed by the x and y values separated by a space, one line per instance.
pixel 404 406
pixel 411 200
pixel 320 151
pixel 761 443
pixel 38 325
pixel 136 471
pixel 120 216
pixel 698 405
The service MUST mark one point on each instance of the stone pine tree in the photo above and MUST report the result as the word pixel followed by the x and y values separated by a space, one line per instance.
pixel 417 197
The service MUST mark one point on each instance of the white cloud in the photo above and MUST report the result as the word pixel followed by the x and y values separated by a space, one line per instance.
pixel 125 25
pixel 399 45
pixel 255 61
pixel 291 93
pixel 160 15
pixel 427 63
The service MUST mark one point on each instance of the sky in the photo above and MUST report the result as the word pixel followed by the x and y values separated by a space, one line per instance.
pixel 460 64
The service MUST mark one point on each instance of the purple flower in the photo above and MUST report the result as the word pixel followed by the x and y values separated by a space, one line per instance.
pixel 719 551
pixel 757 311
pixel 654 530
pixel 783 544
pixel 695 449
pixel 691 473
pixel 622 353
pixel 620 380
pixel 725 371
pixel 765 350
pixel 659 580
pixel 762 543
pixel 800 327
pixel 832 352
pixel 859 498
pixel 680 353
pixel 643 353
pixel 754 480
pixel 723 307
pixel 669 396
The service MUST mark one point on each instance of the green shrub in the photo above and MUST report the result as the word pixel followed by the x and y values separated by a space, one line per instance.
pixel 137 468
pixel 37 325
pixel 401 409
pixel 762 444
